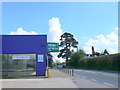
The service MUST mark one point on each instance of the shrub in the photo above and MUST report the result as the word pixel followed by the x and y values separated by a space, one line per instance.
pixel 106 62
pixel 74 58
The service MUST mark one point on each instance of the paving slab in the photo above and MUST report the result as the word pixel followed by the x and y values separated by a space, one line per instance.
pixel 58 74
pixel 57 80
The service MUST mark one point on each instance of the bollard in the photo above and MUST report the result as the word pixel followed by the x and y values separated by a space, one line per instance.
pixel 72 72
pixel 63 70
pixel 68 71
pixel 48 72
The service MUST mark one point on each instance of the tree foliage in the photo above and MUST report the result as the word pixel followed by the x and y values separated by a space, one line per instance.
pixel 75 57
pixel 106 62
pixel 67 41
pixel 50 60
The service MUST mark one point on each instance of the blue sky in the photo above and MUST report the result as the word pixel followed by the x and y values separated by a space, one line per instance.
pixel 85 20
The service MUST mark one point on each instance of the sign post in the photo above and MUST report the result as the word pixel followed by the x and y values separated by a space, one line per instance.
pixel 52 47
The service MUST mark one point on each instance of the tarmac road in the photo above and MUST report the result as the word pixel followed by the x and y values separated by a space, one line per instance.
pixel 101 77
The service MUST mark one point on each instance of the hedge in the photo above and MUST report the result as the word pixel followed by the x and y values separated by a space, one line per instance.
pixel 106 62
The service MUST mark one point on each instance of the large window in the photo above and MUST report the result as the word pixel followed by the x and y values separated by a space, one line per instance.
pixel 18 64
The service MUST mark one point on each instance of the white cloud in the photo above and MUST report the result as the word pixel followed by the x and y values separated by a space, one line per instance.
pixel 55 58
pixel 106 40
pixel 21 31
pixel 55 30
pixel 88 49
pixel 116 28
pixel 112 50
pixel 109 42
pixel 54 34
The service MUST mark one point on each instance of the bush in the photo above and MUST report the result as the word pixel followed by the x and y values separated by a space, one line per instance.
pixel 106 62
pixel 74 58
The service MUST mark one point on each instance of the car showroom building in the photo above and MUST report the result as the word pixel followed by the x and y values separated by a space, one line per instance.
pixel 24 55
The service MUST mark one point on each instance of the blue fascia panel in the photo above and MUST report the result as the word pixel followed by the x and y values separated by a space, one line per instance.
pixel 27 44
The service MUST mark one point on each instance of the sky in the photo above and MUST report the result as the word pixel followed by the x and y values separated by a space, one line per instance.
pixel 91 23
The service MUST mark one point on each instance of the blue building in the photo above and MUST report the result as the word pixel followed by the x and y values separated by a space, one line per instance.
pixel 24 55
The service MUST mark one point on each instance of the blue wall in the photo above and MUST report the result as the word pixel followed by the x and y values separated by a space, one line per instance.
pixel 27 44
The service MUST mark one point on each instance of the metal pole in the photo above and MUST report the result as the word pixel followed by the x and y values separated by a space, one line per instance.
pixel 47 60
pixel 48 72
pixel 72 72
pixel 67 71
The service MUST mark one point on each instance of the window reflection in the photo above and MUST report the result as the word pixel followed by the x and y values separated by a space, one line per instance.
pixel 18 64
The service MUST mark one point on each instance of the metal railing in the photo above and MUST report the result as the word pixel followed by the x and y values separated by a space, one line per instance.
pixel 69 71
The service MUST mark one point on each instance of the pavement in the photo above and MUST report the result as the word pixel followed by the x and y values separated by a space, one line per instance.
pixel 57 80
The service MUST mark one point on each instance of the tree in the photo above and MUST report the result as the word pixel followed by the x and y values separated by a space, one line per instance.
pixel 106 52
pixel 50 60
pixel 67 41
pixel 57 62
pixel 75 57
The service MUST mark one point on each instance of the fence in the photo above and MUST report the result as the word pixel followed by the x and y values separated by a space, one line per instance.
pixel 69 71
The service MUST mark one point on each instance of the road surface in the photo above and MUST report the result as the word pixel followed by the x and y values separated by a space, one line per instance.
pixel 102 77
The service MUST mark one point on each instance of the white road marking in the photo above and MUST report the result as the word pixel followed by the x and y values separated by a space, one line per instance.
pixel 83 77
pixel 93 80
pixel 78 70
pixel 90 71
pixel 108 84
pixel 103 73
pixel 110 75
